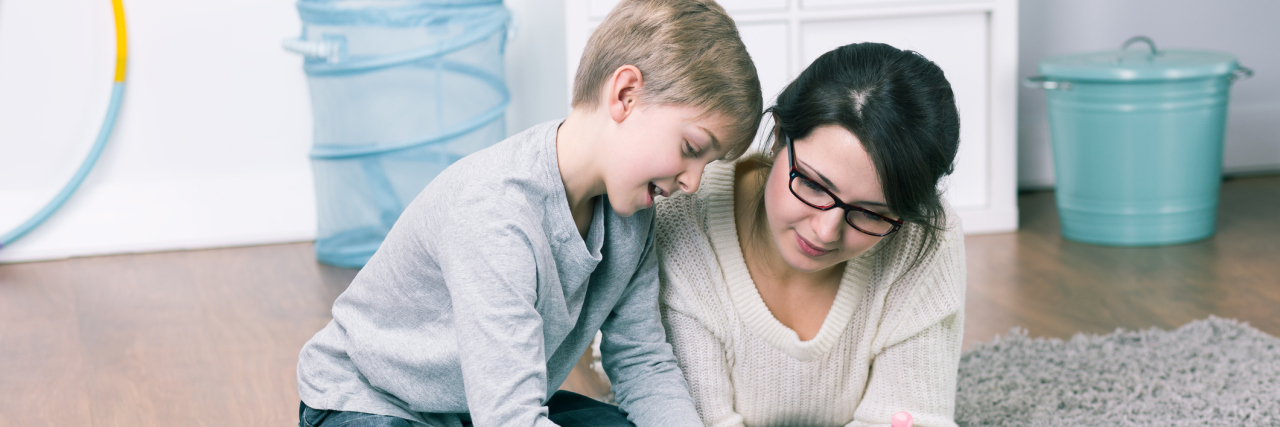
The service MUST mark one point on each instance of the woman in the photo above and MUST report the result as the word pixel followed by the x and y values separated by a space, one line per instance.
pixel 823 283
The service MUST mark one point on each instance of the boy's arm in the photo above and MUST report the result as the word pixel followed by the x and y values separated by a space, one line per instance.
pixel 637 358
pixel 490 271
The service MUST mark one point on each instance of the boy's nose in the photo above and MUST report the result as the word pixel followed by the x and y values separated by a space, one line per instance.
pixel 689 180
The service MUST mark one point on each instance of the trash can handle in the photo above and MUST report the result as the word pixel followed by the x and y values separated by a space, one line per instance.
pixel 1043 82
pixel 1241 73
pixel 1143 39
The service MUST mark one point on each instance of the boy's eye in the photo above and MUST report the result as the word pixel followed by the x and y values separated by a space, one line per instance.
pixel 689 150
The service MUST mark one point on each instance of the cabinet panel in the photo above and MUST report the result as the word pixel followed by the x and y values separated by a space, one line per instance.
pixel 974 41
pixel 817 4
pixel 767 44
pixel 958 44
pixel 732 6
pixel 598 9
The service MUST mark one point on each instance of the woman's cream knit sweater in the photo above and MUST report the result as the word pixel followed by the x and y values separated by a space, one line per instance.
pixel 891 341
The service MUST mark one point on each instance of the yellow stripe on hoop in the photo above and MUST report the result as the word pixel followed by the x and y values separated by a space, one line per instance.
pixel 122 51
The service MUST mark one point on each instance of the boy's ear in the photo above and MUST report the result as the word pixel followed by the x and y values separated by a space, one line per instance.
pixel 622 92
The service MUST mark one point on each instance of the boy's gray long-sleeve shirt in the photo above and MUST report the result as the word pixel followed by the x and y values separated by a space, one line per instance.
pixel 484 296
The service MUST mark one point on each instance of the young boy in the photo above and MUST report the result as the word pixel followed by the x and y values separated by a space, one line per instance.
pixel 497 277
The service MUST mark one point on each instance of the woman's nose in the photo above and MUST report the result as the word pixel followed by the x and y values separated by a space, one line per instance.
pixel 828 225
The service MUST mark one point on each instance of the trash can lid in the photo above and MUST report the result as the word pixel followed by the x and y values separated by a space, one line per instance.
pixel 1139 64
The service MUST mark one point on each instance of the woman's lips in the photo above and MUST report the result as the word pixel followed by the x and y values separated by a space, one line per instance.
pixel 809 248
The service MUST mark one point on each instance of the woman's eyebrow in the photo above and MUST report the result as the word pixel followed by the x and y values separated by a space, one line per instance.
pixel 830 186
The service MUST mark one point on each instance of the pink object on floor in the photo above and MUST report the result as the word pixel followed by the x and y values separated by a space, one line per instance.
pixel 901 419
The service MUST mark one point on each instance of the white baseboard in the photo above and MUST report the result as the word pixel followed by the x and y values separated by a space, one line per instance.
pixel 988 220
pixel 123 217
pixel 113 218
pixel 1251 170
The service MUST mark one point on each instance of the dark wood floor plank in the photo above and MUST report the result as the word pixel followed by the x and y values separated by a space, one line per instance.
pixel 37 289
pixel 1054 287
pixel 42 375
pixel 150 358
pixel 262 304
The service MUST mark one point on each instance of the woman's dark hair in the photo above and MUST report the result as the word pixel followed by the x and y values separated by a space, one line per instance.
pixel 899 105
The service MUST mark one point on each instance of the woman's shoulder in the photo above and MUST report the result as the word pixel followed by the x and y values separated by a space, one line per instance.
pixel 690 273
pixel 680 209
pixel 910 249
pixel 684 214
pixel 932 291
pixel 934 282
pixel 947 257
pixel 679 225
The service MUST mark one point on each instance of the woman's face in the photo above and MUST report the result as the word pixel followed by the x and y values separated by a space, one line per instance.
pixel 813 240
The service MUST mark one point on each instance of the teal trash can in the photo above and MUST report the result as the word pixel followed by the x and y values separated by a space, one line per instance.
pixel 1137 141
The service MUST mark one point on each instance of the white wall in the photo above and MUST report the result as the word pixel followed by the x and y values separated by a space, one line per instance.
pixel 211 145
pixel 536 64
pixel 1245 28
pixel 210 149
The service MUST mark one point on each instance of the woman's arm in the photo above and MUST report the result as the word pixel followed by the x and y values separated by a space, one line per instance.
pixel 704 362
pixel 916 371
pixel 917 375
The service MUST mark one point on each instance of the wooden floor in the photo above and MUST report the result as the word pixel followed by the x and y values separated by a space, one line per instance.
pixel 1055 287
pixel 211 337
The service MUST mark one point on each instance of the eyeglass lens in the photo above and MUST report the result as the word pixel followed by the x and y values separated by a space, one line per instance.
pixel 814 195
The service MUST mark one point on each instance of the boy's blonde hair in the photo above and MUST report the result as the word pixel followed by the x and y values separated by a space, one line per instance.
pixel 688 52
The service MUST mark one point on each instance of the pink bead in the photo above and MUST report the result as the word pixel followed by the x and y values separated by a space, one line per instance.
pixel 901 419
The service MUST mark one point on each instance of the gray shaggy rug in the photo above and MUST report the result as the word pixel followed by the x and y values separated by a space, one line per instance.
pixel 1212 372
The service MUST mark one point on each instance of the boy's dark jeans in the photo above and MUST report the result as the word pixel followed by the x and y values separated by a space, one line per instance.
pixel 566 408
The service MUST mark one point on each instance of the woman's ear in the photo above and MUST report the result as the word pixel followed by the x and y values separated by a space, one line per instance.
pixel 777 136
pixel 622 92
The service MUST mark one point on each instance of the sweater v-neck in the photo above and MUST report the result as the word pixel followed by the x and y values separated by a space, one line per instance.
pixel 718 184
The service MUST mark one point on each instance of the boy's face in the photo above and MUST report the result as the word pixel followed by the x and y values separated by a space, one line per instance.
pixel 658 150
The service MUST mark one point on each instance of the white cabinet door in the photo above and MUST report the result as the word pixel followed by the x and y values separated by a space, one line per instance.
pixel 767 43
pixel 958 44
pixel 598 9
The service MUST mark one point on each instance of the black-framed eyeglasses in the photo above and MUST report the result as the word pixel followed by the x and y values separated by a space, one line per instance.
pixel 815 195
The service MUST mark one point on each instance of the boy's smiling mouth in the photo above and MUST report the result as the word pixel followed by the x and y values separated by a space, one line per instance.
pixel 655 190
